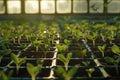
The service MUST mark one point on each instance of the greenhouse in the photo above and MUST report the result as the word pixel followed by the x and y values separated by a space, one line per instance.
pixel 59 39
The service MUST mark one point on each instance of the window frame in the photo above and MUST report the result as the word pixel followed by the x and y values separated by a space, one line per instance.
pixel 105 9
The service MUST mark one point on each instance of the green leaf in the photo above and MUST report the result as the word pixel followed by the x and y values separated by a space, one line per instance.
pixel 21 60
pixel 4 76
pixel 67 42
pixel 5 52
pixel 61 71
pixel 83 52
pixel 69 55
pixel 109 60
pixel 62 47
pixel 102 48
pixel 90 70
pixel 33 70
pixel 72 71
pixel 62 58
pixel 14 58
pixel 116 49
pixel 118 60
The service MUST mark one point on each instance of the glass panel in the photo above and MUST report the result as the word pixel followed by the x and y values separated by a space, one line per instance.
pixel 96 6
pixel 31 6
pixel 2 7
pixel 114 6
pixel 14 6
pixel 47 6
pixel 80 6
pixel 63 6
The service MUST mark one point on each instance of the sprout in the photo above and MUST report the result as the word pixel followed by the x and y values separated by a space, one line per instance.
pixel 113 61
pixel 5 76
pixel 65 60
pixel 102 48
pixel 116 49
pixel 17 61
pixel 90 71
pixel 33 70
pixel 67 75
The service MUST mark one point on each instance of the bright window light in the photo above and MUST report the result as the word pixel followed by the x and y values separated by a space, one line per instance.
pixel 31 6
pixel 80 6
pixel 114 6
pixel 63 6
pixel 14 6
pixel 47 6
pixel 2 7
pixel 96 6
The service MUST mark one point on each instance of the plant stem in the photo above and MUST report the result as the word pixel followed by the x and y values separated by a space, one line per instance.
pixel 89 75
pixel 93 42
pixel 67 78
pixel 33 77
pixel 103 54
pixel 36 48
pixel 66 67
pixel 17 69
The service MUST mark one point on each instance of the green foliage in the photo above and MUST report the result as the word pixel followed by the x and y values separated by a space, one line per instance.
pixel 33 70
pixel 80 53
pixel 93 37
pixel 113 61
pixel 116 49
pixel 17 61
pixel 102 48
pixel 66 59
pixel 67 75
pixel 67 42
pixel 4 76
pixel 37 43
pixel 62 47
pixel 86 63
pixel 90 71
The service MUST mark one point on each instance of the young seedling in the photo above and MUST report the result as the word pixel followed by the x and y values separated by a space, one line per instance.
pixel 102 49
pixel 33 70
pixel 46 45
pixel 67 75
pixel 116 49
pixel 86 63
pixel 93 37
pixel 62 47
pixel 112 30
pixel 80 53
pixel 37 44
pixel 113 61
pixel 17 61
pixel 4 76
pixel 90 71
pixel 65 60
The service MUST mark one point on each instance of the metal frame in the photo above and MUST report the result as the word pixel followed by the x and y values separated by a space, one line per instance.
pixel 39 15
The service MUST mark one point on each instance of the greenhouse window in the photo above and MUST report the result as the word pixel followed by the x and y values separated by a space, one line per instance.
pixel 114 6
pixel 31 6
pixel 63 6
pixel 96 6
pixel 59 6
pixel 14 6
pixel 80 6
pixel 47 6
pixel 2 7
